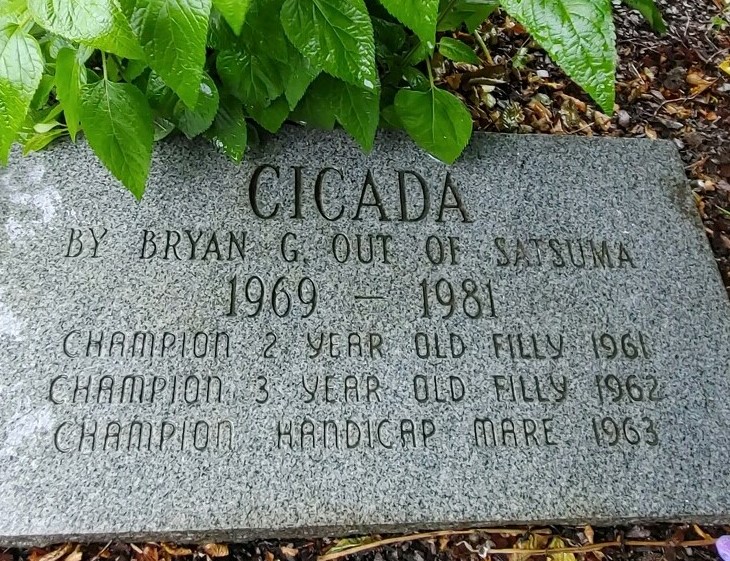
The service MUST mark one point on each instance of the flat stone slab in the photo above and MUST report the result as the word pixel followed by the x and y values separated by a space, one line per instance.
pixel 319 341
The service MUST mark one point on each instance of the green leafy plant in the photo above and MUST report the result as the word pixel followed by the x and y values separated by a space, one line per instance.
pixel 130 72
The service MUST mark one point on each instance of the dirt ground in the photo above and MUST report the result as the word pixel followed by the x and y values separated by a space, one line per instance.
pixel 672 87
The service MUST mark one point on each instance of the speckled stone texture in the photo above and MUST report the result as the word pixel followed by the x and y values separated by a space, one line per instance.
pixel 575 365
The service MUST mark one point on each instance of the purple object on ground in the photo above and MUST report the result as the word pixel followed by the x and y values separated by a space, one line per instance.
pixel 723 547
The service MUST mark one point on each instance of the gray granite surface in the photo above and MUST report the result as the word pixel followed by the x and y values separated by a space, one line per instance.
pixel 549 342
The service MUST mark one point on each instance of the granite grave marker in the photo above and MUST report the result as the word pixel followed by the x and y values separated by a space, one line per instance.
pixel 321 341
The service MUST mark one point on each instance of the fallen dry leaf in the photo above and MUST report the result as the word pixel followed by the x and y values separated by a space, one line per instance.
pixel 217 549
pixel 725 66
pixel 57 554
pixel 149 553
pixel 697 79
pixel 289 551
pixel 533 542
pixel 558 543
pixel 348 543
pixel 443 543
pixel 589 533
pixel 175 551
pixel 76 555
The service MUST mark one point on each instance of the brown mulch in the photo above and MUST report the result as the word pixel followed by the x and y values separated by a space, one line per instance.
pixel 634 543
pixel 669 87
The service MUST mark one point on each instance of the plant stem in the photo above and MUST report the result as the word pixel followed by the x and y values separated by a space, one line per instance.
pixel 430 72
pixel 442 15
pixel 103 64
pixel 483 47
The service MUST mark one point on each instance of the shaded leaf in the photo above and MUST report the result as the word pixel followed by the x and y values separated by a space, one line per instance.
pixel 356 109
pixel 458 51
pixel 312 112
pixel 70 78
pixel 40 97
pixel 229 132
pixel 273 116
pixel 471 13
pixel 248 76
pixel 651 13
pixel 437 121
pixel 117 123
pixel 197 120
pixel 300 75
pixel 256 67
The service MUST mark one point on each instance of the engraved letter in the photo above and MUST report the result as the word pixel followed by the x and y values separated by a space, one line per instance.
pixel 318 198
pixel 377 201
pixel 458 204
pixel 253 189
pixel 75 243
pixel 426 202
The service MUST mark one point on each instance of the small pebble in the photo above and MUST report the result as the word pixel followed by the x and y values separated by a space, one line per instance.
pixel 543 73
pixel 624 119
pixel 723 547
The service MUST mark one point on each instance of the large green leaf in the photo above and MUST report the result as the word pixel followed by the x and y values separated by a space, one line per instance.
pixel 455 50
pixel 117 123
pixel 436 120
pixel 419 15
pixel 21 69
pixel 97 23
pixel 472 13
pixel 229 132
pixel 195 121
pixel 12 11
pixel 70 78
pixel 651 13
pixel 579 36
pixel 173 34
pixel 298 74
pixel 314 109
pixel 256 67
pixel 234 12
pixel 271 117
pixel 41 140
pixel 249 75
pixel 356 109
pixel 336 35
